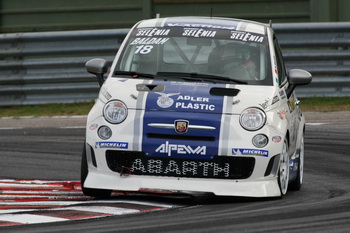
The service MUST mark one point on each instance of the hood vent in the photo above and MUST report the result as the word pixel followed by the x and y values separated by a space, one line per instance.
pixel 150 87
pixel 224 91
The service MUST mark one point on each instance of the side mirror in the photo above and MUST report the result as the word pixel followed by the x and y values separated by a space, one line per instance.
pixel 98 67
pixel 297 77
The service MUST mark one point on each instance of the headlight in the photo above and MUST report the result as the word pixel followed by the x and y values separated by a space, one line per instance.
pixel 115 112
pixel 252 119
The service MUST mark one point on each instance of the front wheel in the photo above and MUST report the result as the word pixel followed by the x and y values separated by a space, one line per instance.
pixel 97 193
pixel 297 183
pixel 283 172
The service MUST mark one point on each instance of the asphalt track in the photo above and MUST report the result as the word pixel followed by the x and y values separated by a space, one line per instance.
pixel 50 149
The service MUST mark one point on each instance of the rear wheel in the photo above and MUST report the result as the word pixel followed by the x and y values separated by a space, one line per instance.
pixel 283 172
pixel 98 193
pixel 297 183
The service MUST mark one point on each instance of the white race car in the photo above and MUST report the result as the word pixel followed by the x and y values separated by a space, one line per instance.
pixel 195 105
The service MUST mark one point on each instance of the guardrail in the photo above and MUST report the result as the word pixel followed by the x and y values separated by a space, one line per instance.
pixel 48 67
pixel 321 49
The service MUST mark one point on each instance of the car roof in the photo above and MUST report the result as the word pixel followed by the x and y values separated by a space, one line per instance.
pixel 206 22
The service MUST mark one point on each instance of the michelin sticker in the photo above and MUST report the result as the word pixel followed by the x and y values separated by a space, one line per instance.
pixel 120 145
pixel 239 151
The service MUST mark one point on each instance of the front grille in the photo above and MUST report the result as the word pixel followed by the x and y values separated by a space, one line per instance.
pixel 221 167
pixel 180 137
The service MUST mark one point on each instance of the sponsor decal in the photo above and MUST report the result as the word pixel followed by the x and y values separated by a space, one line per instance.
pixel 255 152
pixel 236 102
pixel 300 115
pixel 93 126
pixel 265 104
pixel 148 41
pixel 276 139
pixel 198 32
pixel 164 100
pixel 244 36
pixel 202 105
pixel 275 99
pixel 105 93
pixel 168 148
pixel 181 126
pixel 196 106
pixel 282 94
pixel 200 25
pixel 191 98
pixel 184 102
pixel 282 114
pixel 291 104
pixel 152 32
pixel 275 65
pixel 120 145
pixel 175 83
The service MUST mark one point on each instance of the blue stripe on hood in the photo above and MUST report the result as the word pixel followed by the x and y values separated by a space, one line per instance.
pixel 182 101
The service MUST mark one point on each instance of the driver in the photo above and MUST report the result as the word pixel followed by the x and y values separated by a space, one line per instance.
pixel 247 62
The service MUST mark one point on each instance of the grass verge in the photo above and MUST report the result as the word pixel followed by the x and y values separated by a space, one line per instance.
pixel 47 110
pixel 325 104
pixel 320 104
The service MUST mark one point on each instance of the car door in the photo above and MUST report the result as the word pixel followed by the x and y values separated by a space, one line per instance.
pixel 290 102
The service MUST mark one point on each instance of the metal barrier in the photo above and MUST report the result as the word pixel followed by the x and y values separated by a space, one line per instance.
pixel 38 68
pixel 321 49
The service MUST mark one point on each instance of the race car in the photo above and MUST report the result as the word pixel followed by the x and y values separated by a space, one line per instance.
pixel 195 105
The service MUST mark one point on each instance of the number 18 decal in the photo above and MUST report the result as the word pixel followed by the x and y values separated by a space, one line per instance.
pixel 144 49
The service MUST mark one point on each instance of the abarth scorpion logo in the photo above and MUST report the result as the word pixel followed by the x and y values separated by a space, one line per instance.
pixel 181 126
pixel 164 100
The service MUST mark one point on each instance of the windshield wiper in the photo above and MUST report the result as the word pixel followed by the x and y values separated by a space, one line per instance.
pixel 133 74
pixel 200 77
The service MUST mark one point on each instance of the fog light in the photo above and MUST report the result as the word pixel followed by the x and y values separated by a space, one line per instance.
pixel 104 132
pixel 260 140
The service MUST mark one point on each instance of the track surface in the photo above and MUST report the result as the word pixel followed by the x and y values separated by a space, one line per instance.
pixel 323 204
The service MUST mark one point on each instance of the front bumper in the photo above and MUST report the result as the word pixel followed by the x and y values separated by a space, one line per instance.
pixel 265 187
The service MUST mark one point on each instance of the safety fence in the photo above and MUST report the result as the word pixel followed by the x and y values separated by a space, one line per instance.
pixel 48 67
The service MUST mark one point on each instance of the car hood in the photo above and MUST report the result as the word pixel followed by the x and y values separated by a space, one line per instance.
pixel 195 97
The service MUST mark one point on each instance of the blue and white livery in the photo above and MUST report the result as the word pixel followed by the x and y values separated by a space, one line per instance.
pixel 195 105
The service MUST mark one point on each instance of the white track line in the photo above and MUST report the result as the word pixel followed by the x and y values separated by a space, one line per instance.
pixel 29 218
pixel 102 209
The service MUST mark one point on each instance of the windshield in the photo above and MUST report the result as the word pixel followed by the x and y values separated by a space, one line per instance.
pixel 176 50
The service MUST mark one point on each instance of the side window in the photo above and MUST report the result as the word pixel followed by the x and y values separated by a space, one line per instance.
pixel 282 76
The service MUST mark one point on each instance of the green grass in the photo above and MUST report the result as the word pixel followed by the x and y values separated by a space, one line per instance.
pixel 47 110
pixel 324 104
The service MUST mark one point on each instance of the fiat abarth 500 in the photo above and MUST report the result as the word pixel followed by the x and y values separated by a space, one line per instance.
pixel 195 105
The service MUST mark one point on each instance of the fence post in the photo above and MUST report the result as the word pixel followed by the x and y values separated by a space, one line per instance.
pixel 147 9
pixel 323 10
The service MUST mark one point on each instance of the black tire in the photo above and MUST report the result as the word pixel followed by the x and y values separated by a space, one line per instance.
pixel 297 183
pixel 97 193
